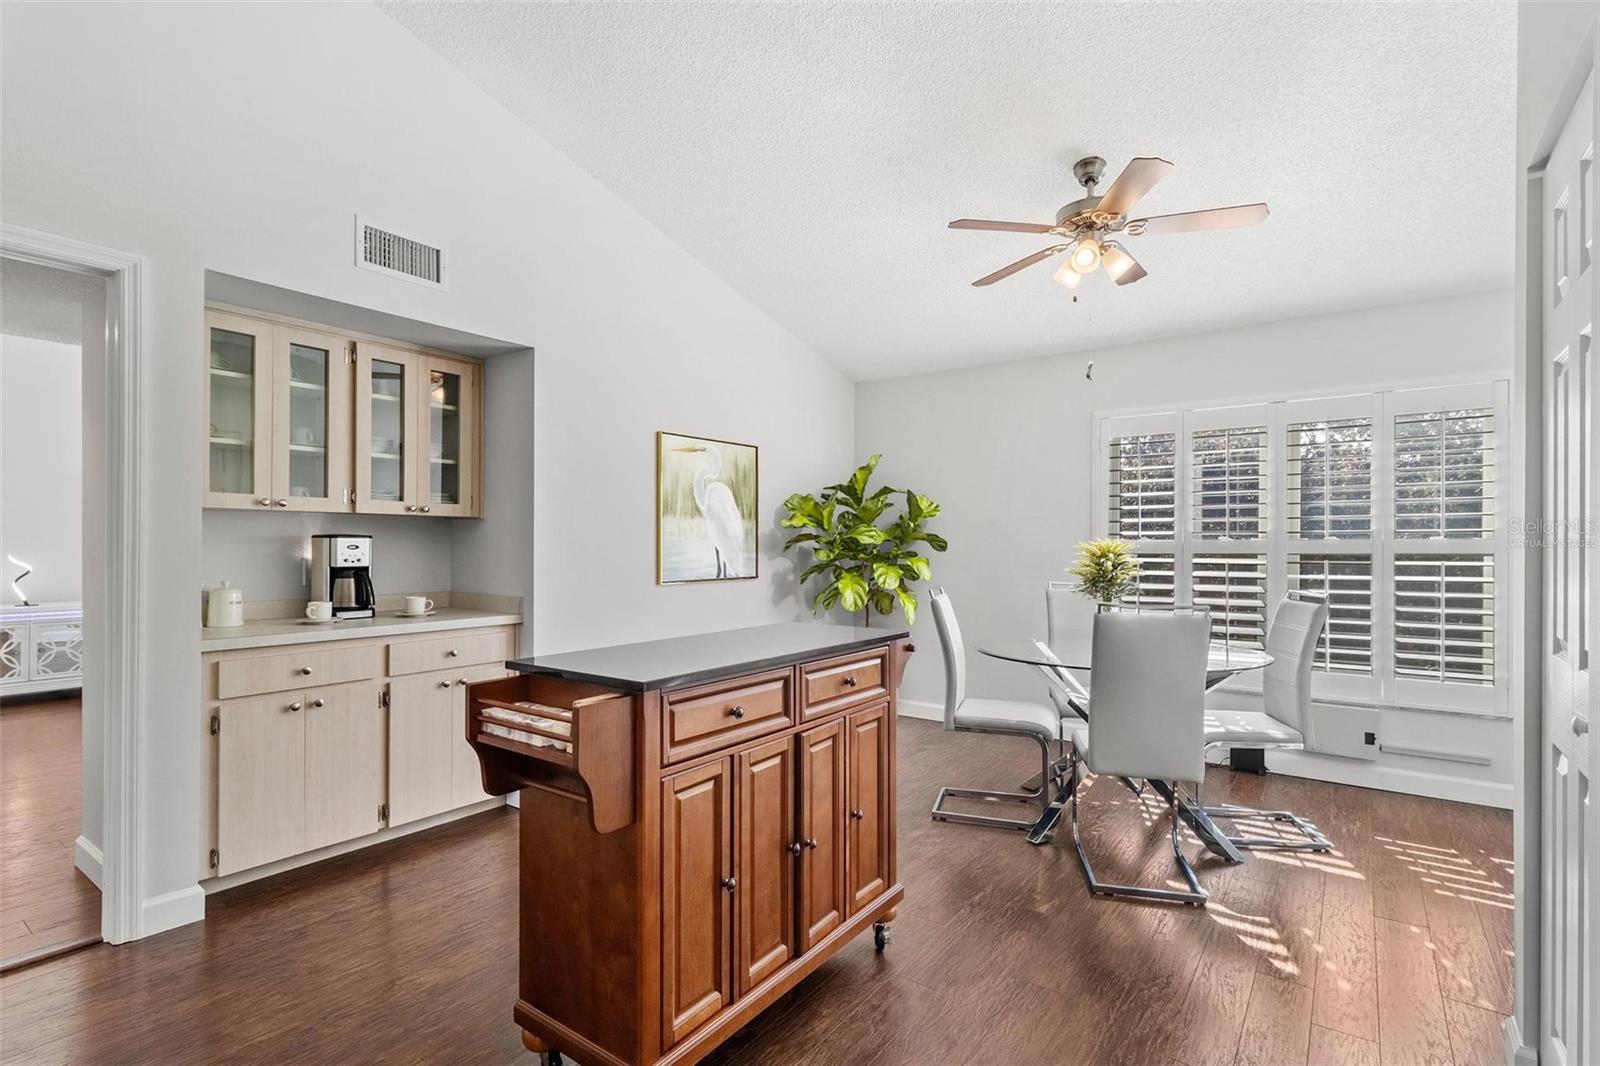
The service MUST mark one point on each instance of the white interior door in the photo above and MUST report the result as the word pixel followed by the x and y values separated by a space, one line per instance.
pixel 1569 993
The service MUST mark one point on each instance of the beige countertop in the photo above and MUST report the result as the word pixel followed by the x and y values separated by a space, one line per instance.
pixel 271 632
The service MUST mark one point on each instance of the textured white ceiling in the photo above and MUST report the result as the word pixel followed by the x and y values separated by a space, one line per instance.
pixel 811 154
pixel 44 303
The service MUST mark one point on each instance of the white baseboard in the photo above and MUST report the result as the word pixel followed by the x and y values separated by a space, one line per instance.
pixel 87 858
pixel 1518 1053
pixel 173 909
pixel 931 712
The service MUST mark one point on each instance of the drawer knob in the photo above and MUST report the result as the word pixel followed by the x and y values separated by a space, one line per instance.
pixel 411 507
pixel 810 842
pixel 305 670
pixel 445 683
pixel 850 681
pixel 451 654
pixel 283 503
pixel 730 883
pixel 295 706
pixel 794 849
pixel 426 509
pixel 858 814
pixel 317 702
pixel 737 712
pixel 461 681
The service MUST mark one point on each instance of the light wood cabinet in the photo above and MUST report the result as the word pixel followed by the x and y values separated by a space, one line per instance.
pixel 419 746
pixel 307 418
pixel 344 763
pixel 261 763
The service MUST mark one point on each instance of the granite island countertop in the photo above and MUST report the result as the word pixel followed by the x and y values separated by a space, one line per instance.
pixel 657 664
pixel 273 632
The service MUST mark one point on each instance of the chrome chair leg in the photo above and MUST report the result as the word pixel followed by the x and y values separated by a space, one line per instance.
pixel 1040 796
pixel 1314 838
pixel 1196 896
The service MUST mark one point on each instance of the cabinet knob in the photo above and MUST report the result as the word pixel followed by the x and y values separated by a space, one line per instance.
pixel 858 814
pixel 810 842
pixel 794 849
pixel 283 503
pixel 850 681
pixel 452 653
pixel 306 670
pixel 264 501
pixel 730 883
pixel 411 507
pixel 445 683
pixel 426 509
pixel 317 702
pixel 737 712
pixel 461 681
pixel 295 706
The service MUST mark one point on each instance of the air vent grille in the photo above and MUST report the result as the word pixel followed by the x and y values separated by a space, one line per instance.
pixel 390 253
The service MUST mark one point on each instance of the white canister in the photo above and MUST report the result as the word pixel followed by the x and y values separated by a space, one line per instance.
pixel 225 607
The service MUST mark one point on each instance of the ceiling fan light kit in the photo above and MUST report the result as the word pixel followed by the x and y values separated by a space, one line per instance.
pixel 1088 224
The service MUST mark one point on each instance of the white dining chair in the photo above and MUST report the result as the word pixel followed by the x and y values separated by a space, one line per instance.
pixel 963 714
pixel 1063 611
pixel 1285 721
pixel 1146 721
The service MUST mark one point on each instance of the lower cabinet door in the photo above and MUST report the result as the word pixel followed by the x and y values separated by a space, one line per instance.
pixel 822 799
pixel 868 833
pixel 696 898
pixel 344 763
pixel 422 715
pixel 466 772
pixel 764 897
pixel 261 781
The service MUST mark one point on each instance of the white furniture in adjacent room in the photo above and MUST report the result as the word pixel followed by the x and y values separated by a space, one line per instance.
pixel 41 648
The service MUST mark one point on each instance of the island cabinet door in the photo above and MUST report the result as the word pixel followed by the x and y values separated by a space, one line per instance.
pixel 822 807
pixel 868 830
pixel 767 848
pixel 697 888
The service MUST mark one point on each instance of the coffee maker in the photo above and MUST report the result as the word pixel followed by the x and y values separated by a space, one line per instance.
pixel 341 571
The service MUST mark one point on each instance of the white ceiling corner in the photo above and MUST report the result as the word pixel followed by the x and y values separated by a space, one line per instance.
pixel 811 154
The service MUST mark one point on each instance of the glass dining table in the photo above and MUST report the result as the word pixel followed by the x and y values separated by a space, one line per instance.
pixel 1224 660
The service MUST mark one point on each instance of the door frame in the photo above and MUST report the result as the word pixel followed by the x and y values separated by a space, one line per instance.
pixel 1527 571
pixel 121 604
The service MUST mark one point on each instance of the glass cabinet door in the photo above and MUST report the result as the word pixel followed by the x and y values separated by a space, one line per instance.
pixel 449 426
pixel 238 411
pixel 311 467
pixel 386 397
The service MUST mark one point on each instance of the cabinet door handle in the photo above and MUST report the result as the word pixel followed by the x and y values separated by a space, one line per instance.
pixel 451 654
pixel 283 503
pixel 730 883
pixel 810 842
pixel 295 706
pixel 445 683
pixel 858 814
pixel 317 702
pixel 411 507
pixel 426 509
pixel 737 712
pixel 794 848
pixel 264 501
pixel 850 681
pixel 306 670
pixel 461 681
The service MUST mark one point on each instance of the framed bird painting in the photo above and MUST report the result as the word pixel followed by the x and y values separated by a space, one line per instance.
pixel 706 506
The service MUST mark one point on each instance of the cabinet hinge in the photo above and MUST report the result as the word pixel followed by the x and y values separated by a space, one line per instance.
pixel 350 353
pixel 383 697
pixel 383 812
pixel 214 858
pixel 216 727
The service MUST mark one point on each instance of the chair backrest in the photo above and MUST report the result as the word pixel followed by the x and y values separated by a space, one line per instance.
pixel 1066 688
pixel 955 655
pixel 1064 610
pixel 1147 715
pixel 1292 641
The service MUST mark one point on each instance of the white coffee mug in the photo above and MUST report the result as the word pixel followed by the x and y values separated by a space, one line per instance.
pixel 319 610
pixel 418 605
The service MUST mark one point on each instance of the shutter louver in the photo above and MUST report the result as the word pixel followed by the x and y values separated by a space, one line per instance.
pixel 1329 479
pixel 1234 587
pixel 1444 476
pixel 1229 483
pixel 1346 582
pixel 1156 585
pixel 1444 618
pixel 1143 487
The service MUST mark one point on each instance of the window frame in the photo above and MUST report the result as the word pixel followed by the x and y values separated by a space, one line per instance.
pixel 1383 687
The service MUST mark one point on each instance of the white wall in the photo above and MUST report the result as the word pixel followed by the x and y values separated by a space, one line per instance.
pixel 41 467
pixel 243 138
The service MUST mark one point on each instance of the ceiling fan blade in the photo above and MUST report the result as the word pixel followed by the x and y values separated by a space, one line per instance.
pixel 1194 221
pixel 1123 268
pixel 1007 227
pixel 1021 264
pixel 1136 179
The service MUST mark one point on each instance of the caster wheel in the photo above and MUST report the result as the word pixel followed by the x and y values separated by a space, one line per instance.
pixel 551 1058
pixel 880 935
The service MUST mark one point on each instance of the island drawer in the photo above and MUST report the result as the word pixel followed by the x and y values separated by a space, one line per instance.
pixel 253 675
pixel 708 717
pixel 569 738
pixel 464 648
pixel 829 685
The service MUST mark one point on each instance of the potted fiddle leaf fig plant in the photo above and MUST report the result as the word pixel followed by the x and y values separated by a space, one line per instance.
pixel 869 560
pixel 1105 570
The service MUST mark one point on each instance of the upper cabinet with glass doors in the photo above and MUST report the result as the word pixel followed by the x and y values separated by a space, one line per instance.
pixel 302 418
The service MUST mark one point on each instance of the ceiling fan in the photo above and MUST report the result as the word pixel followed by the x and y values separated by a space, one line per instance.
pixel 1091 227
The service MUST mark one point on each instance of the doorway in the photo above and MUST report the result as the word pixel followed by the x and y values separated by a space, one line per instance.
pixel 50 817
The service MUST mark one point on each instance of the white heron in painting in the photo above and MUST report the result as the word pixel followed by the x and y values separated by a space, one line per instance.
pixel 724 524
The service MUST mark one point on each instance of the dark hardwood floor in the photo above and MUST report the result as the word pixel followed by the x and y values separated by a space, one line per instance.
pixel 1395 949
pixel 44 900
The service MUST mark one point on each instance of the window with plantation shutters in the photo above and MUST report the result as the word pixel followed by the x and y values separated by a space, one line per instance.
pixel 1444 474
pixel 1328 479
pixel 1345 581
pixel 1234 588
pixel 1156 584
pixel 1143 486
pixel 1444 618
pixel 1229 475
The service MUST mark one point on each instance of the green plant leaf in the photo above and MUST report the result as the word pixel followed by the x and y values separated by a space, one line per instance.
pixel 852 591
pixel 865 534
pixel 917 568
pixel 908 601
pixel 886 576
pixel 936 542
pixel 926 508
pixel 800 539
pixel 813 570
pixel 882 600
pixel 825 516
pixel 826 598
pixel 863 474
pixel 826 555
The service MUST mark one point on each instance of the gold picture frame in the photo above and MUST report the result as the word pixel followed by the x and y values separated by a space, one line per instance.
pixel 708 508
